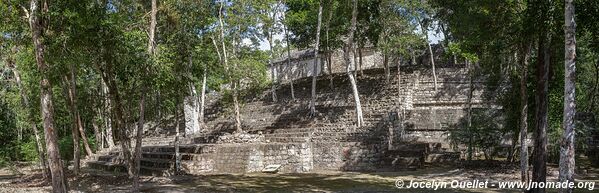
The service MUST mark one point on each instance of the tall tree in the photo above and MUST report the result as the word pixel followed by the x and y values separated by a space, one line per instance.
pixel 225 62
pixel 74 132
pixel 59 182
pixel 270 28
pixel 316 59
pixel 39 148
pixel 539 172
pixel 524 115
pixel 71 83
pixel 142 101
pixel 289 63
pixel 566 163
pixel 347 49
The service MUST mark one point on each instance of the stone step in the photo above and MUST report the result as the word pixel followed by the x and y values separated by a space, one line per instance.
pixel 167 156
pixel 400 163
pixel 157 163
pixel 106 158
pixel 287 139
pixel 293 134
pixel 150 171
pixel 107 166
pixel 446 157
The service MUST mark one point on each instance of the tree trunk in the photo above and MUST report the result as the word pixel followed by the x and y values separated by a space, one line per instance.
pixel 97 135
pixel 432 57
pixel 109 121
pixel 355 61
pixel 539 172
pixel 524 117
pixel 227 69
pixel 328 47
pixel 177 135
pixel 140 128
pixel 387 69
pixel 399 84
pixel 74 132
pixel 136 160
pixel 59 183
pixel 190 106
pixel 346 57
pixel 117 108
pixel 158 102
pixel 566 161
pixel 273 75
pixel 289 64
pixel 39 148
pixel 470 93
pixel 237 110
pixel 592 94
pixel 203 100
pixel 315 67
pixel 360 59
pixel 73 88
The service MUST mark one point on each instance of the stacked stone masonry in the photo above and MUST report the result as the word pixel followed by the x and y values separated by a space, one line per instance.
pixel 406 126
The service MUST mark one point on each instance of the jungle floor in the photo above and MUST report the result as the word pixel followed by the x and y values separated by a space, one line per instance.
pixel 22 178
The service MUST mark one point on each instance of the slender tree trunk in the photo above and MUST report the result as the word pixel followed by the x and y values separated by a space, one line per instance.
pixel 328 47
pixel 236 107
pixel 39 148
pixel 355 61
pixel 524 117
pixel 593 94
pixel 347 50
pixel 315 67
pixel 566 161
pixel 539 173
pixel 73 95
pixel 97 135
pixel 136 161
pixel 158 102
pixel 432 57
pixel 275 79
pixel 119 123
pixel 387 69
pixel 152 30
pixel 289 64
pixel 59 183
pixel 74 132
pixel 109 120
pixel 399 83
pixel 272 69
pixel 470 93
pixel 177 135
pixel 360 59
pixel 227 69
pixel 108 76
pixel 203 99
pixel 138 137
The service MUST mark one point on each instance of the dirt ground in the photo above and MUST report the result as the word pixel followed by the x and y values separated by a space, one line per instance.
pixel 18 179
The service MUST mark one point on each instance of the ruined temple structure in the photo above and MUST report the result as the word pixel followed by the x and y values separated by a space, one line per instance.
pixel 301 63
pixel 407 124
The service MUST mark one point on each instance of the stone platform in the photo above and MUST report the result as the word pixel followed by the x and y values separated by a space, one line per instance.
pixel 406 125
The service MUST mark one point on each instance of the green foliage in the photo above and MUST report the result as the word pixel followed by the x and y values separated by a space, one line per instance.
pixel 28 150
pixel 485 134
pixel 65 144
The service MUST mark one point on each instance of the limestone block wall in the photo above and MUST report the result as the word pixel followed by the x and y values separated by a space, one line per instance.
pixel 402 111
pixel 302 64
pixel 347 156
pixel 251 157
